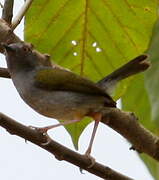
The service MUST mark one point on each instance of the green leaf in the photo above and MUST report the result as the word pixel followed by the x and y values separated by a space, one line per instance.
pixel 152 86
pixel 76 129
pixel 91 37
pixel 152 75
pixel 136 100
pixel 152 165
pixel 144 100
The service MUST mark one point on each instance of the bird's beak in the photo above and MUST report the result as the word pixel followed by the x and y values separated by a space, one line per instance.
pixel 7 47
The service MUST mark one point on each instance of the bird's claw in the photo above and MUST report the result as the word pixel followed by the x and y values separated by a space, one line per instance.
pixel 48 138
pixel 43 132
pixel 33 127
pixel 92 159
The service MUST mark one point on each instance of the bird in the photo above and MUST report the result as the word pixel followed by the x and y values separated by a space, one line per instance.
pixel 56 92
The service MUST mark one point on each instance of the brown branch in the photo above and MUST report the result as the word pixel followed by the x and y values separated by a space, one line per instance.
pixel 6 35
pixel 58 150
pixel 128 126
pixel 7 12
pixel 4 73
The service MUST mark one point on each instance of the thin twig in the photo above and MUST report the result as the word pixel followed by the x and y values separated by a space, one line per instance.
pixel 1 5
pixel 58 150
pixel 6 35
pixel 7 12
pixel 21 14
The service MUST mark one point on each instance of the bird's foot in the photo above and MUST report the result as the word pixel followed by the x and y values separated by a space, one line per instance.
pixel 92 159
pixel 43 131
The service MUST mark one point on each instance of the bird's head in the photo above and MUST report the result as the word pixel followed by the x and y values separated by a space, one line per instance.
pixel 20 56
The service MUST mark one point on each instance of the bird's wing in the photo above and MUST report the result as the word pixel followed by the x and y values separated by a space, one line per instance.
pixel 60 79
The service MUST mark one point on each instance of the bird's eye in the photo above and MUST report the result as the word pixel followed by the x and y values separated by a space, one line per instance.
pixel 26 49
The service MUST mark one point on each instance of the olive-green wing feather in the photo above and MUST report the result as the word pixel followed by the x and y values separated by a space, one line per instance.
pixel 60 79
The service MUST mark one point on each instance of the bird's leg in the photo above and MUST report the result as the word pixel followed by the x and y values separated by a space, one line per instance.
pixel 97 117
pixel 45 129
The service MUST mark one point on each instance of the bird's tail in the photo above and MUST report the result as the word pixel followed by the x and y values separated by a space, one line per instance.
pixel 137 65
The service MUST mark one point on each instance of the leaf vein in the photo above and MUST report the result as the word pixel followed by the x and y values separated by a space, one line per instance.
pixel 54 18
pixel 109 34
pixel 121 25
pixel 104 52
pixel 66 32
pixel 84 36
pixel 94 64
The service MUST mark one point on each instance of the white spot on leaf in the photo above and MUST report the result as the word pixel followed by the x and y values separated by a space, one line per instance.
pixel 74 42
pixel 75 53
pixel 94 44
pixel 98 49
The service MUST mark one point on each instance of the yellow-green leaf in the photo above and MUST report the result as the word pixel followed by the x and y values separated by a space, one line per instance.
pixel 143 98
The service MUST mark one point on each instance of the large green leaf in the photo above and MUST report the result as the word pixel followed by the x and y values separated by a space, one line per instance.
pixel 152 85
pixel 91 37
pixel 152 75
pixel 136 100
pixel 145 101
